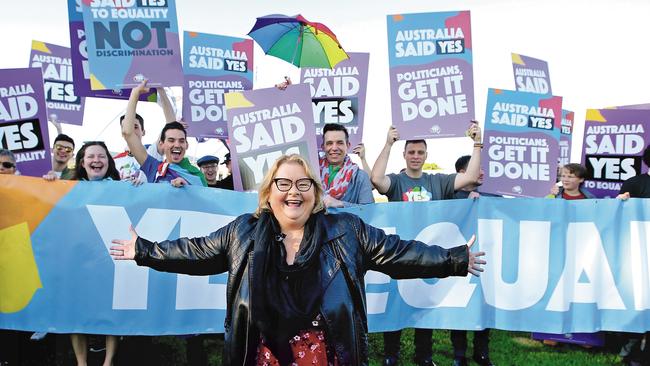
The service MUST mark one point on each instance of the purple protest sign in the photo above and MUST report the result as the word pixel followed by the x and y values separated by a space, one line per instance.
pixel 264 124
pixel 63 104
pixel 339 95
pixel 79 56
pixel 23 120
pixel 431 77
pixel 213 65
pixel 130 41
pixel 531 74
pixel 635 106
pixel 612 150
pixel 566 135
pixel 522 133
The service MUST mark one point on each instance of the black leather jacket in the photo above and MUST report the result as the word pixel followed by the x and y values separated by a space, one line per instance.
pixel 349 249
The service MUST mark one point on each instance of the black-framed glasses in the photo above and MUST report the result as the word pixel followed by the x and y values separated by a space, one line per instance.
pixel 8 165
pixel 285 184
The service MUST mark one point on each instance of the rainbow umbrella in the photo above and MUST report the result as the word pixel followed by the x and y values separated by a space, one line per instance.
pixel 298 41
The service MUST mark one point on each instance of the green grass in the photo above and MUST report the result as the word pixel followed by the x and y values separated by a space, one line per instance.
pixel 506 348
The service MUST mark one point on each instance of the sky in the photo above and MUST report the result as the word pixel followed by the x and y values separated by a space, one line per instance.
pixel 596 50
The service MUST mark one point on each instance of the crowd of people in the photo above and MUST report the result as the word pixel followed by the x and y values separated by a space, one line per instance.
pixel 293 321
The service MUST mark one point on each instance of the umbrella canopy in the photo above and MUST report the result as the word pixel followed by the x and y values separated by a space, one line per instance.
pixel 298 41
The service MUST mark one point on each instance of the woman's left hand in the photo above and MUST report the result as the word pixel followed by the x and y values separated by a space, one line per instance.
pixel 474 266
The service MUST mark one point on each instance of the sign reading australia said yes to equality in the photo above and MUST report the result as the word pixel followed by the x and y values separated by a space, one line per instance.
pixel 531 74
pixel 213 65
pixel 431 76
pixel 264 124
pixel 23 122
pixel 132 40
pixel 522 133
pixel 63 103
pixel 612 150
pixel 338 95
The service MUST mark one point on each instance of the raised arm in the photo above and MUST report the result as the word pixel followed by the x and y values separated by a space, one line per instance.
pixel 166 105
pixel 53 120
pixel 128 130
pixel 197 256
pixel 402 259
pixel 378 177
pixel 473 171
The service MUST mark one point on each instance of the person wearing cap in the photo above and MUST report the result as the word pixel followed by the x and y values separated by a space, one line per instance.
pixel 209 165
pixel 227 183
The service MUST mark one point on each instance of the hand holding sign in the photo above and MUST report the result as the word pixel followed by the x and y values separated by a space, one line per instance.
pixel 283 85
pixel 392 136
pixel 474 132
pixel 141 88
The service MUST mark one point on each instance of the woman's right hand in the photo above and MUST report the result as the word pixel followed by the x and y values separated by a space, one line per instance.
pixel 125 249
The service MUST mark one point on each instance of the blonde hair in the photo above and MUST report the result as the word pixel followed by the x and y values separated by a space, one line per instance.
pixel 267 184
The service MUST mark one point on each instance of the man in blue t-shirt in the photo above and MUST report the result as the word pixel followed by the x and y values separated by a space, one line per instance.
pixel 173 143
pixel 414 185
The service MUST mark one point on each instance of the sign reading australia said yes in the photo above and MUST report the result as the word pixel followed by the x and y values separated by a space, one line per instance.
pixel 63 103
pixel 531 74
pixel 213 65
pixel 612 150
pixel 338 95
pixel 132 40
pixel 264 124
pixel 431 77
pixel 23 120
pixel 522 133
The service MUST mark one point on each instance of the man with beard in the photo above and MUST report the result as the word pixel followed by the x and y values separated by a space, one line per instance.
pixel 414 185
pixel 344 182
pixel 173 143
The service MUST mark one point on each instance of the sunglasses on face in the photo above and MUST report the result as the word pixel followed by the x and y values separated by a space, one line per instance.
pixel 284 184
pixel 8 165
pixel 62 148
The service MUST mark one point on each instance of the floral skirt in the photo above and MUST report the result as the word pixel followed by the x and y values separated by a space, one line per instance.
pixel 308 347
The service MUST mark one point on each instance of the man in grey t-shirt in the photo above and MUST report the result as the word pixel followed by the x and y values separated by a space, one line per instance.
pixel 414 185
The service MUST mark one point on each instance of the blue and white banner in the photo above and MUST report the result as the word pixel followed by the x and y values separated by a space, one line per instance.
pixel 554 266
